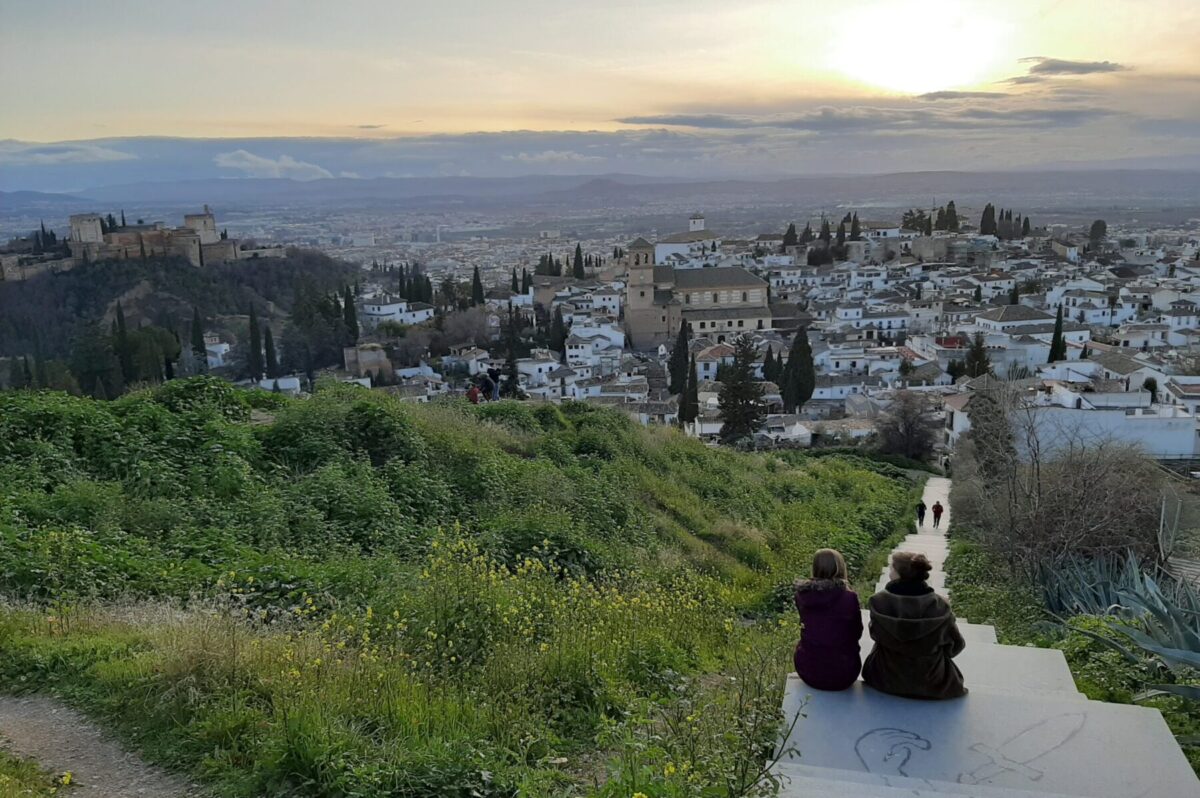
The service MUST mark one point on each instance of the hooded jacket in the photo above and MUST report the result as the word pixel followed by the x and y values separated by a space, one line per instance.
pixel 916 638
pixel 827 656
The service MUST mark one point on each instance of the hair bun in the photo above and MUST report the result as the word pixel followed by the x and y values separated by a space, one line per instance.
pixel 911 565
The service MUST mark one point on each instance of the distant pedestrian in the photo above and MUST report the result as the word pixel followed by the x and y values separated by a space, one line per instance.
pixel 920 514
pixel 494 375
pixel 938 509
pixel 474 394
pixel 487 388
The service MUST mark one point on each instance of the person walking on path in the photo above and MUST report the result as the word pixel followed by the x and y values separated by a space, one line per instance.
pixel 938 509
pixel 916 636
pixel 920 514
pixel 827 656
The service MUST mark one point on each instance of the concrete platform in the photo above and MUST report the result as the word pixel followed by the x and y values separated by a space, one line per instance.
pixel 802 780
pixel 812 782
pixel 1034 743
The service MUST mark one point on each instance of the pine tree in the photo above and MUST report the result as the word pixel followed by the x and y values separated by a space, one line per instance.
pixel 978 362
pixel 272 358
pixel 740 399
pixel 476 289
pixel 1058 344
pixel 516 287
pixel 350 316
pixel 254 357
pixel 123 347
pixel 1097 233
pixel 799 375
pixel 855 228
pixel 789 237
pixel 689 405
pixel 677 363
pixel 577 269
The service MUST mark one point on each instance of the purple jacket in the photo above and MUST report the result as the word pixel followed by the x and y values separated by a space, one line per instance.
pixel 827 654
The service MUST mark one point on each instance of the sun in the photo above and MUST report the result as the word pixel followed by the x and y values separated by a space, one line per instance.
pixel 919 47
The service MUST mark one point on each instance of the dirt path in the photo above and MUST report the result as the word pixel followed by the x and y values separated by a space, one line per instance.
pixel 60 739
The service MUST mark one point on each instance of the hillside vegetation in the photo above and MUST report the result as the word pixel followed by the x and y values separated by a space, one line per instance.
pixel 346 595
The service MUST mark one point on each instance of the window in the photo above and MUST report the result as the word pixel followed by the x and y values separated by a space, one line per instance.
pixel 741 323
pixel 641 293
pixel 715 298
pixel 745 296
pixel 687 299
pixel 701 325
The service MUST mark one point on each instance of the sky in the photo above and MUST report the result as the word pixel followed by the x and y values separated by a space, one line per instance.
pixel 497 87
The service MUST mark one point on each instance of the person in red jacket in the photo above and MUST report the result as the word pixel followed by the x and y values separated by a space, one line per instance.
pixel 473 394
pixel 827 656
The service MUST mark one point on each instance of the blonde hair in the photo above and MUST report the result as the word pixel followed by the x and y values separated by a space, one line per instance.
pixel 911 566
pixel 830 564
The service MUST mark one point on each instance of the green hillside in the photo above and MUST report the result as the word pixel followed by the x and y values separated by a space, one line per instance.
pixel 347 595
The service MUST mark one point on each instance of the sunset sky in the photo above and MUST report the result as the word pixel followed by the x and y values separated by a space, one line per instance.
pixel 920 84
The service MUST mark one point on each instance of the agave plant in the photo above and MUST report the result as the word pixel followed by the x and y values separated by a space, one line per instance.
pixel 1162 621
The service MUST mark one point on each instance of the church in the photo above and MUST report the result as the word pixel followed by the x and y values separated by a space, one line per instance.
pixel 718 302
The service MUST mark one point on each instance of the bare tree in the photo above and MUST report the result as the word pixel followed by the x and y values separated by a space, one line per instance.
pixel 1038 493
pixel 909 427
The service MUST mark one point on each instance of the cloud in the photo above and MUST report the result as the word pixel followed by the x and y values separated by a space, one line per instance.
pixel 870 120
pixel 369 127
pixel 258 166
pixel 961 95
pixel 1059 66
pixel 1024 80
pixel 551 156
pixel 16 153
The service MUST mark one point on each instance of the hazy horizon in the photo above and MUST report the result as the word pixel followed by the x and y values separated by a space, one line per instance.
pixel 669 89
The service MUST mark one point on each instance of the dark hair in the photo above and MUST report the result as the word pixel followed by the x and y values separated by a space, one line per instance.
pixel 910 566
pixel 829 564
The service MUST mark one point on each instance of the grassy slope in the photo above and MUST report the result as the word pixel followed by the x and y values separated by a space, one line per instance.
pixel 363 597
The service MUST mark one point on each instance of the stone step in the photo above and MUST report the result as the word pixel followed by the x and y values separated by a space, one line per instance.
pixel 1038 743
pixel 801 780
pixel 971 632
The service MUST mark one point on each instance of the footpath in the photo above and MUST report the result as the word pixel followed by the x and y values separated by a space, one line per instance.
pixel 1024 731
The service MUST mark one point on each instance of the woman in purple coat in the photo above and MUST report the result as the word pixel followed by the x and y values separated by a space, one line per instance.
pixel 827 654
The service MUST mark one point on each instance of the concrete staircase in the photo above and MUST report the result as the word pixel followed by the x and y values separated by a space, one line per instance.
pixel 1023 731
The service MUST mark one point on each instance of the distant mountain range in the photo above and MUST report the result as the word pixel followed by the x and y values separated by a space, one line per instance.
pixel 1043 188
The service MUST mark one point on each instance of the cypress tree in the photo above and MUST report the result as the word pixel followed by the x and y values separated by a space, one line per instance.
pixel 1025 226
pixel 26 373
pixel 768 365
pixel 124 350
pixel 1014 296
pixel 516 288
pixel 799 375
pixel 978 293
pixel 254 358
pixel 350 316
pixel 677 364
pixel 807 236
pixel 526 281
pixel 826 234
pixel 689 407
pixel 16 375
pixel 841 234
pixel 1058 344
pixel 272 358
pixel 198 348
pixel 476 289
pixel 951 217
pixel 558 332
pixel 855 229
pixel 577 271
